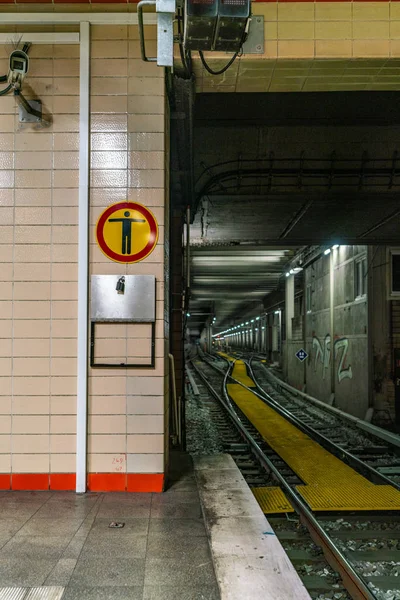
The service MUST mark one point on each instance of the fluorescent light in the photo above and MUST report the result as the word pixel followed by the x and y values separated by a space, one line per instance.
pixel 335 246
pixel 188 314
pixel 287 274
pixel 277 312
pixel 257 318
pixel 327 251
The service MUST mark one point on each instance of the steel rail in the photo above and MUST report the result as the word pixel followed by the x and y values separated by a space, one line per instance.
pixel 390 438
pixel 354 583
pixel 341 453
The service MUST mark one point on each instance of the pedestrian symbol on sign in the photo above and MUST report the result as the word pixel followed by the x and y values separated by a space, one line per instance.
pixel 301 354
pixel 126 230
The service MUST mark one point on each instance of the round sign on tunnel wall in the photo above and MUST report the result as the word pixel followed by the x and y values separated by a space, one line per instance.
pixel 127 232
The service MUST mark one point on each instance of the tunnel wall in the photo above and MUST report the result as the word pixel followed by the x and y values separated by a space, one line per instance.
pixel 338 367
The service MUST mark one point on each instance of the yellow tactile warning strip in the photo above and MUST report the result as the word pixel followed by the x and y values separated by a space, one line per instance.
pixel 239 370
pixel 329 483
pixel 272 500
pixel 240 373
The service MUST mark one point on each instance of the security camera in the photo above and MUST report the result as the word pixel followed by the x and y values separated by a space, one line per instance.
pixel 18 68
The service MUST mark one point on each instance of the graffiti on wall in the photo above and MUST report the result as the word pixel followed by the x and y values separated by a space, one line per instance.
pixel 323 356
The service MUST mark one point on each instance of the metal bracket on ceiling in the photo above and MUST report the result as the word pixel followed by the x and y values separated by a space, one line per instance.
pixel 254 43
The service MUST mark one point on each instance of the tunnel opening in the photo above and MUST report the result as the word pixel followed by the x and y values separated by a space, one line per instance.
pixel 295 237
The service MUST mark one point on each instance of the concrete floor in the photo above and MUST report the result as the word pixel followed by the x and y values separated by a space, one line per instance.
pixel 61 543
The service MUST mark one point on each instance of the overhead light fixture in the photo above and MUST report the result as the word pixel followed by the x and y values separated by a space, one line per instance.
pixel 327 251
pixel 188 314
pixel 276 312
pixel 257 318
pixel 287 274
pixel 335 246
pixel 297 269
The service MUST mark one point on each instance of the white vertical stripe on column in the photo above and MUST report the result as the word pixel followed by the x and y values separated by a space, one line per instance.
pixel 83 258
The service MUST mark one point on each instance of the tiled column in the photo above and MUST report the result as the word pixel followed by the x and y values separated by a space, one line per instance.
pixel 127 430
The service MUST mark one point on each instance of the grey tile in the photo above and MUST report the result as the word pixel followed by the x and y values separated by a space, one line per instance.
pixel 20 512
pixel 5 538
pixel 36 526
pixel 115 512
pixel 62 572
pixel 133 546
pixel 176 528
pixel 179 571
pixel 168 592
pixel 132 526
pixel 175 497
pixel 74 548
pixel 29 496
pixel 109 571
pixel 159 546
pixel 62 512
pixel 37 546
pixel 183 484
pixel 9 527
pixel 127 498
pixel 179 511
pixel 28 572
pixel 87 498
pixel 110 593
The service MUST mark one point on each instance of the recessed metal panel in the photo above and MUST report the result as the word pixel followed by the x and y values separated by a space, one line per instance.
pixel 136 304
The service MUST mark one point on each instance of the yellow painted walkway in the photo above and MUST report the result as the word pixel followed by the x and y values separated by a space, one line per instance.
pixel 239 370
pixel 330 484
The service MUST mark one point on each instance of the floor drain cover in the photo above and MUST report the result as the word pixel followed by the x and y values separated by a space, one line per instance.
pixel 116 525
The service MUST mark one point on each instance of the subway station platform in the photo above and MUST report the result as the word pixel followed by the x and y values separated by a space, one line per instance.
pixel 59 545
pixel 205 538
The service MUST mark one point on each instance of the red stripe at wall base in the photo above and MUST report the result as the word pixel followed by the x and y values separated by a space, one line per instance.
pixel 96 482
pixel 5 482
pixel 145 482
pixel 63 481
pixel 106 482
pixel 30 481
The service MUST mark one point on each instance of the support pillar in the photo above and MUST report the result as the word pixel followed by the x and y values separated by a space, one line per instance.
pixel 289 314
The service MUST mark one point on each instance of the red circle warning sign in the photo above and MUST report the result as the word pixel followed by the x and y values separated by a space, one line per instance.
pixel 127 232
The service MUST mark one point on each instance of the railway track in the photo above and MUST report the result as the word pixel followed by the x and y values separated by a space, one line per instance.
pixel 337 557
pixel 374 452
